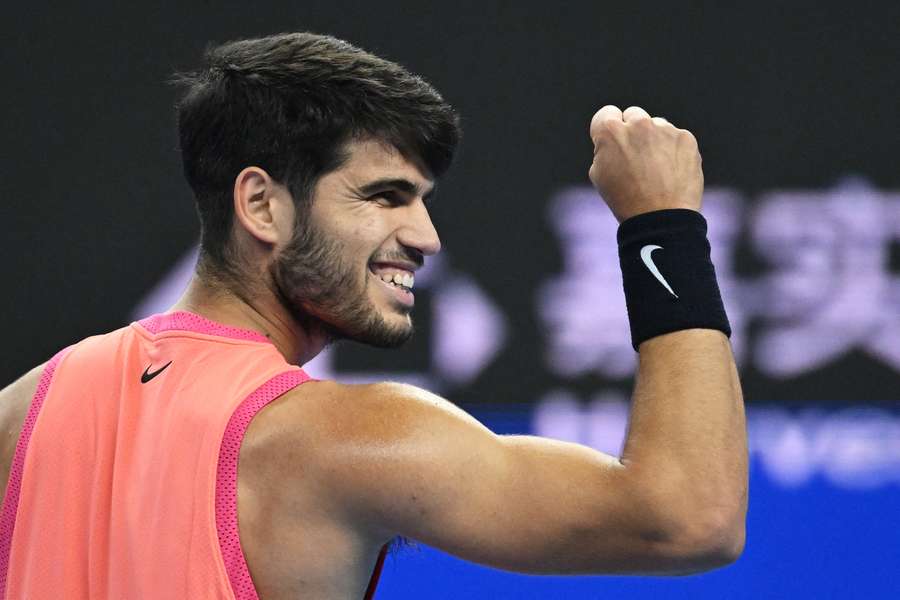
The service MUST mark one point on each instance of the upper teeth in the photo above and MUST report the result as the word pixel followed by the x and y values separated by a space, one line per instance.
pixel 407 280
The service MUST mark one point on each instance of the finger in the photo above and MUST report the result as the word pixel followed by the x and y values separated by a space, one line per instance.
pixel 660 121
pixel 635 113
pixel 605 114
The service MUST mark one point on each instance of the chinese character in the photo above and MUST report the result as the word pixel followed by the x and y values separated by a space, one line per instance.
pixel 831 289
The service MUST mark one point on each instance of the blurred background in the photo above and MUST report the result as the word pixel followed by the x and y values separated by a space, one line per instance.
pixel 521 319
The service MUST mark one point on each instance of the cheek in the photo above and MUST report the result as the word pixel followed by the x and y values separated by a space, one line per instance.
pixel 366 237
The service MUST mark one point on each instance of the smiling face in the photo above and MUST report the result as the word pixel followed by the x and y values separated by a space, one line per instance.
pixel 349 268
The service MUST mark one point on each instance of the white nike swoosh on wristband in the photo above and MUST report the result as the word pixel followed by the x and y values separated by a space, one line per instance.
pixel 646 251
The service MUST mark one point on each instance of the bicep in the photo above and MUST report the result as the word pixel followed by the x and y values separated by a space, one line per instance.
pixel 423 468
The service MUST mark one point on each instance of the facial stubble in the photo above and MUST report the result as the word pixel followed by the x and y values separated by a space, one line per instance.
pixel 326 292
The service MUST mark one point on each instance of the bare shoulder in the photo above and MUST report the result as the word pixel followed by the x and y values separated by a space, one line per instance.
pixel 26 384
pixel 15 400
pixel 365 446
pixel 331 419
pixel 372 411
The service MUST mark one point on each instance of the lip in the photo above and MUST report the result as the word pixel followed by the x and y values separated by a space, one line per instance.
pixel 403 266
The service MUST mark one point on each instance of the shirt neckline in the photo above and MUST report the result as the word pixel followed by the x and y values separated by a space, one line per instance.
pixel 187 321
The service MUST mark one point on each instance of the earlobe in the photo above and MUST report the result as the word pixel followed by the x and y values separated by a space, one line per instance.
pixel 254 204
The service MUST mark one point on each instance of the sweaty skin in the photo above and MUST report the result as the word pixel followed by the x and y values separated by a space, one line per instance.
pixel 387 459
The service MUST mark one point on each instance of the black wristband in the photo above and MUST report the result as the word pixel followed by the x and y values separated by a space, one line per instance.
pixel 670 282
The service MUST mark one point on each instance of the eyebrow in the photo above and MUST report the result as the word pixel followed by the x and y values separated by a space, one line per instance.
pixel 398 183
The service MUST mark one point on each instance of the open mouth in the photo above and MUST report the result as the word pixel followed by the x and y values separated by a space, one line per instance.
pixel 398 281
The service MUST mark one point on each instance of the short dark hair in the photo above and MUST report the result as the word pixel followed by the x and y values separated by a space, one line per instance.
pixel 289 103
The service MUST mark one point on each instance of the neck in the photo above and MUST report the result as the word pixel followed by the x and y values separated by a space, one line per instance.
pixel 261 312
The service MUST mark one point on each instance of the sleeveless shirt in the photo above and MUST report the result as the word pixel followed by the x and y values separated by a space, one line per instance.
pixel 124 479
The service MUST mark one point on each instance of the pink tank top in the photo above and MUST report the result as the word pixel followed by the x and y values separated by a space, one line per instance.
pixel 124 479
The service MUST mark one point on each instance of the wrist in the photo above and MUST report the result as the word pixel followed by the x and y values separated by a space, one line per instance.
pixel 668 277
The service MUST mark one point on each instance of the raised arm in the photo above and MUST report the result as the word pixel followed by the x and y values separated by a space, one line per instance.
pixel 687 431
pixel 396 460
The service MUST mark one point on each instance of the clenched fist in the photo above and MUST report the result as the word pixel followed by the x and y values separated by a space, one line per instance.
pixel 642 164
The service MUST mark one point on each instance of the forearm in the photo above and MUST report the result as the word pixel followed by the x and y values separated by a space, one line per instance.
pixel 687 441
pixel 685 455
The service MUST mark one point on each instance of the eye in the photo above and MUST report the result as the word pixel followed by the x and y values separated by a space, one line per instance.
pixel 388 197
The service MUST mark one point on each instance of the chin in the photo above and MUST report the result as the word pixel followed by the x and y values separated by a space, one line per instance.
pixel 379 324
pixel 383 337
pixel 391 331
pixel 370 326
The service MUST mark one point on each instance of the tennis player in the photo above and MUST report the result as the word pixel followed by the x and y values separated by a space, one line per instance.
pixel 188 455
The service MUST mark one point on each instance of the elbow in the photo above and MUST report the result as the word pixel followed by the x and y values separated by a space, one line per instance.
pixel 690 527
pixel 709 539
pixel 719 543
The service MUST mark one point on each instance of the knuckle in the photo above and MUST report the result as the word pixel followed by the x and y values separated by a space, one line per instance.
pixel 603 129
pixel 636 113
pixel 687 137
pixel 609 111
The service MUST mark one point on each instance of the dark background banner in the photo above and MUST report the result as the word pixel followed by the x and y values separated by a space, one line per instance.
pixel 794 107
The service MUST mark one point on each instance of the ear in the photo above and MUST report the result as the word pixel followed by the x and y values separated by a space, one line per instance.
pixel 262 207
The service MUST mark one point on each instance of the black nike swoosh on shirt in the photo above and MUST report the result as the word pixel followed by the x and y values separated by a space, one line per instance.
pixel 147 376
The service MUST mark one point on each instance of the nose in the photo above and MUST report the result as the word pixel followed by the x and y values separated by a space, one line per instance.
pixel 417 231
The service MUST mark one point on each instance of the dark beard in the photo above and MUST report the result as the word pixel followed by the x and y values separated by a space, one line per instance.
pixel 325 295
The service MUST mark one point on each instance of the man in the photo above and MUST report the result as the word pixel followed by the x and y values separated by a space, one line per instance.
pixel 312 163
